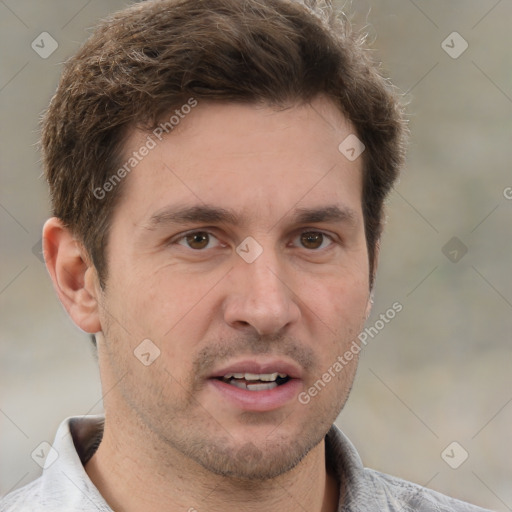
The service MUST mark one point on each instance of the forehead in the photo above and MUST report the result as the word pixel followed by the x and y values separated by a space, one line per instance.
pixel 253 158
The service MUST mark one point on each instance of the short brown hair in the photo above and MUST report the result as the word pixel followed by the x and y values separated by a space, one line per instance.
pixel 145 61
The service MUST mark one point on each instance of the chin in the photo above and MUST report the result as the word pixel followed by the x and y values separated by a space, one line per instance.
pixel 256 462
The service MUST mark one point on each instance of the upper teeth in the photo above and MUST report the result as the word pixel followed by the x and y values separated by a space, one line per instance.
pixel 268 377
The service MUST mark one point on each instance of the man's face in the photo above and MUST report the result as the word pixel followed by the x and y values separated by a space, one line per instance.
pixel 182 273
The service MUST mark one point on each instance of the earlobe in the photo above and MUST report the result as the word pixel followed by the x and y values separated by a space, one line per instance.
pixel 369 305
pixel 73 275
pixel 376 254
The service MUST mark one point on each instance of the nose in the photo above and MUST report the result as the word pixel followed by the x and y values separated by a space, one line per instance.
pixel 261 296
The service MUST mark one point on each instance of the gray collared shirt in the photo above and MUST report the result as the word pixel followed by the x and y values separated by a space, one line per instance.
pixel 65 487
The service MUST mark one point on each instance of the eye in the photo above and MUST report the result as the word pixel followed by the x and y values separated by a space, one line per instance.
pixel 197 240
pixel 314 240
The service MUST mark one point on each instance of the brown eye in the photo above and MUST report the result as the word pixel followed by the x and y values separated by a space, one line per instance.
pixel 198 240
pixel 312 239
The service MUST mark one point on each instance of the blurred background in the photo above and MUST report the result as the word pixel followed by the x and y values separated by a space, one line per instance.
pixel 432 402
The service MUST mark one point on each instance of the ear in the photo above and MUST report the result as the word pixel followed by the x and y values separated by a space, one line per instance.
pixel 74 277
pixel 376 254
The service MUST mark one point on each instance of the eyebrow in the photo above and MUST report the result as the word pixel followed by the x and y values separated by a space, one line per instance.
pixel 213 214
pixel 195 214
pixel 330 213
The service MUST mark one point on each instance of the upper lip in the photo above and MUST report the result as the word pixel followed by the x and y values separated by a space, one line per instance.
pixel 260 367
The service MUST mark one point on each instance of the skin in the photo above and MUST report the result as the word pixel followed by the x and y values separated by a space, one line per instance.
pixel 171 440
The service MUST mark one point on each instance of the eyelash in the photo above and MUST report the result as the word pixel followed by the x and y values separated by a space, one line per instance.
pixel 211 234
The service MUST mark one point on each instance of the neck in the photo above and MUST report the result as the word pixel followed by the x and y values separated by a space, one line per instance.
pixel 132 472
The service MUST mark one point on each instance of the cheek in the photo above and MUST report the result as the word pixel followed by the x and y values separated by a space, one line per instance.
pixel 159 301
pixel 338 309
pixel 175 302
pixel 179 312
pixel 341 300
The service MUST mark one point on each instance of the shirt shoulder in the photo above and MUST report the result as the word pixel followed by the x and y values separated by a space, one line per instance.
pixel 367 490
pixel 64 485
pixel 394 494
pixel 24 499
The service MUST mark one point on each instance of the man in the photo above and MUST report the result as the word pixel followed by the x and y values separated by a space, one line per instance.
pixel 218 170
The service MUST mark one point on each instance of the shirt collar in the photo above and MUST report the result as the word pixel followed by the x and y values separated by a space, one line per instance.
pixel 342 456
pixel 66 480
pixel 78 438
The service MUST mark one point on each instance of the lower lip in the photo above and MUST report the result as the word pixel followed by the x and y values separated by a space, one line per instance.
pixel 267 400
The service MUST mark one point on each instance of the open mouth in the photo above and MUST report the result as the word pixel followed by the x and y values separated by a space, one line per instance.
pixel 255 382
pixel 257 386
